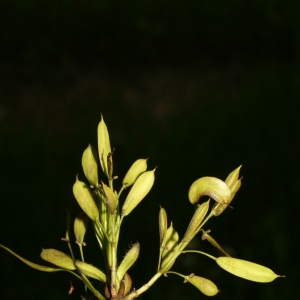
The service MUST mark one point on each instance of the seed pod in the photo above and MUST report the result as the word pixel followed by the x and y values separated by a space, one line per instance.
pixel 127 284
pixel 204 285
pixel 89 164
pixel 80 225
pixel 103 145
pixel 111 199
pixel 85 199
pixel 198 217
pixel 246 269
pixel 58 258
pixel 139 190
pixel 90 271
pixel 162 224
pixel 209 186
pixel 137 168
pixel 129 259
pixel 169 244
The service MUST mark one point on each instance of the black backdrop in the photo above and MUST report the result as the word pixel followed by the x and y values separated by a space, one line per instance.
pixel 198 87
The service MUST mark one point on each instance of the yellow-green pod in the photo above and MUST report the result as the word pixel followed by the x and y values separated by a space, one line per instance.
pixel 138 191
pixel 209 186
pixel 233 177
pixel 137 168
pixel 85 199
pixel 80 225
pixel 204 285
pixel 129 259
pixel 246 269
pixel 162 224
pixel 89 164
pixel 58 258
pixel 103 145
pixel 111 199
pixel 198 217
pixel 169 244
pixel 127 281
pixel 90 271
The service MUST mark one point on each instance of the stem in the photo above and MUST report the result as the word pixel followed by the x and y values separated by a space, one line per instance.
pixel 196 251
pixel 144 288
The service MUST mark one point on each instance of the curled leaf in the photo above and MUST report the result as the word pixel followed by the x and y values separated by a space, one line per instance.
pixel 209 186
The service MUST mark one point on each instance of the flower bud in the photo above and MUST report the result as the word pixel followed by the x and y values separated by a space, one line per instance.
pixel 103 145
pixel 111 199
pixel 162 224
pixel 90 271
pixel 198 217
pixel 85 199
pixel 58 258
pixel 246 269
pixel 137 168
pixel 204 285
pixel 139 190
pixel 169 244
pixel 80 225
pixel 209 186
pixel 89 164
pixel 129 259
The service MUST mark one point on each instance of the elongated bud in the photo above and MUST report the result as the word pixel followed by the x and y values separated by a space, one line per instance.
pixel 58 258
pixel 80 225
pixel 246 269
pixel 89 164
pixel 85 199
pixel 198 217
pixel 129 259
pixel 111 199
pixel 163 224
pixel 209 186
pixel 90 271
pixel 169 244
pixel 103 145
pixel 139 190
pixel 204 285
pixel 234 183
pixel 209 238
pixel 137 168
pixel 127 281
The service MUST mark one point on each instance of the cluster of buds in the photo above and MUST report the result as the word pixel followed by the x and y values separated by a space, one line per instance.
pixel 100 204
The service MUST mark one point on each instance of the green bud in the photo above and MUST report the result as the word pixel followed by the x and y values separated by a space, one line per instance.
pixel 246 269
pixel 137 168
pixel 58 258
pixel 209 186
pixel 204 285
pixel 103 145
pixel 110 197
pixel 234 183
pixel 80 225
pixel 90 271
pixel 127 284
pixel 139 190
pixel 129 259
pixel 169 244
pixel 194 225
pixel 89 164
pixel 162 224
pixel 85 199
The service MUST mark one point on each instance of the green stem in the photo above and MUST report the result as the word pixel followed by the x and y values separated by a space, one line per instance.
pixel 200 252
pixel 144 288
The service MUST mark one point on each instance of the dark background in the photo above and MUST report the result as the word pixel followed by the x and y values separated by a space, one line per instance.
pixel 200 87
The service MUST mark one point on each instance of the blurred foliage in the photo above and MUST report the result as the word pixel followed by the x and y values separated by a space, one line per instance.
pixel 199 87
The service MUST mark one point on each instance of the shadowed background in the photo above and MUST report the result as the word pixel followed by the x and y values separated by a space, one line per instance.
pixel 197 87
